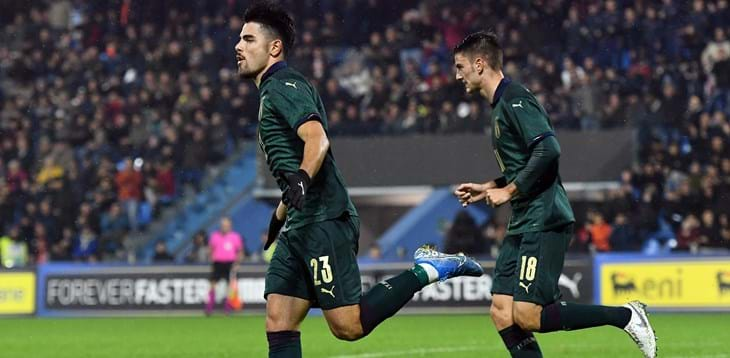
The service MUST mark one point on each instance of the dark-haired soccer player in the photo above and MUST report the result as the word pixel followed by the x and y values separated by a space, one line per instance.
pixel 525 294
pixel 314 263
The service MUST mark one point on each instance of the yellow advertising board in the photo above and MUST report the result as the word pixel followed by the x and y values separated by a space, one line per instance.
pixel 17 293
pixel 667 284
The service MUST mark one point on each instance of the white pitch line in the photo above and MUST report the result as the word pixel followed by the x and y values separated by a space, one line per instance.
pixel 410 352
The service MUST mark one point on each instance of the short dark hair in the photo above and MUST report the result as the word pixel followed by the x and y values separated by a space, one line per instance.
pixel 274 19
pixel 482 43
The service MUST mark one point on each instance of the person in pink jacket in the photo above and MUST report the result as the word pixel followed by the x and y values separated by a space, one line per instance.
pixel 226 249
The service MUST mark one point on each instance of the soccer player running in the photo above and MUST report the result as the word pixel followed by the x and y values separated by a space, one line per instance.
pixel 525 294
pixel 315 261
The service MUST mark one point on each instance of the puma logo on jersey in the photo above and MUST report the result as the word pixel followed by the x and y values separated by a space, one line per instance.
pixel 292 84
pixel 527 288
pixel 323 290
pixel 518 105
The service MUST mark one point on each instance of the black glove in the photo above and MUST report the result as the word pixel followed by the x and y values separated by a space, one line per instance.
pixel 274 227
pixel 293 196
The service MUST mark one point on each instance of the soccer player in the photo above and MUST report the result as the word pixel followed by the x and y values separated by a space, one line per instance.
pixel 315 261
pixel 226 248
pixel 525 294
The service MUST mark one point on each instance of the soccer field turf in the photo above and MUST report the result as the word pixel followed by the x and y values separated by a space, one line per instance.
pixel 680 335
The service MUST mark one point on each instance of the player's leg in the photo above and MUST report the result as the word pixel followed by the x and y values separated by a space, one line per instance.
pixel 537 306
pixel 215 276
pixel 226 276
pixel 519 343
pixel 284 314
pixel 336 278
pixel 355 321
pixel 288 299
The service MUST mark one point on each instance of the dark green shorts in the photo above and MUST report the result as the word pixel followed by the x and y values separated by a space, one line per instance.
pixel 318 262
pixel 529 265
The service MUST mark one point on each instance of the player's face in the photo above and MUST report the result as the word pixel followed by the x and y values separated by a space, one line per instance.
pixel 226 225
pixel 252 50
pixel 466 73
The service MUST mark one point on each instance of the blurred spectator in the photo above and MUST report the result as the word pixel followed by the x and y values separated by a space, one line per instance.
pixel 129 190
pixel 600 233
pixel 688 237
pixel 465 236
pixel 13 251
pixel 374 252
pixel 114 226
pixel 161 253
pixel 200 253
pixel 622 235
pixel 709 230
pixel 86 245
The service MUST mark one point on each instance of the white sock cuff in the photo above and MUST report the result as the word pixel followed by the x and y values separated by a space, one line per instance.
pixel 433 274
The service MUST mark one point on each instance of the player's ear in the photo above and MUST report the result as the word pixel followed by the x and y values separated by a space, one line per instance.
pixel 276 48
pixel 479 65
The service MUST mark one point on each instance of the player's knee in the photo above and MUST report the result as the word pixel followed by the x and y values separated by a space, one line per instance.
pixel 347 332
pixel 526 318
pixel 278 322
pixel 501 316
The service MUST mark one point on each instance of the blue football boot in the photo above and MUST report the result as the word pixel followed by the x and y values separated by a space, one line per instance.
pixel 448 265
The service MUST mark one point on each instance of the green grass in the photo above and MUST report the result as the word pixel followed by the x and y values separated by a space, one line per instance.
pixel 680 335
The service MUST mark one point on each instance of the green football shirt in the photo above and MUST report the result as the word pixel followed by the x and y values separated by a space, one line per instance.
pixel 519 122
pixel 288 100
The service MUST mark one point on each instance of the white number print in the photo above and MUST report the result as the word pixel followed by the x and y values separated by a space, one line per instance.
pixel 325 272
pixel 528 268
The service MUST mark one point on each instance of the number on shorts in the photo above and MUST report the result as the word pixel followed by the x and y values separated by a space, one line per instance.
pixel 528 268
pixel 326 271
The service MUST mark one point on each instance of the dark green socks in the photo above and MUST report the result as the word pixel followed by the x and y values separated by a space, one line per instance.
pixel 387 297
pixel 565 316
pixel 284 344
pixel 519 343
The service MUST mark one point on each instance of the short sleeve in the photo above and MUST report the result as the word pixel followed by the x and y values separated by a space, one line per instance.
pixel 294 101
pixel 531 120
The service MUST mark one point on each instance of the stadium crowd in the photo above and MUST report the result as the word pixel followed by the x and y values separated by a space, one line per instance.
pixel 108 108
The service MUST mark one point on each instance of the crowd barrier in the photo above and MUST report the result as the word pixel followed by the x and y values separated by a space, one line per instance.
pixel 675 283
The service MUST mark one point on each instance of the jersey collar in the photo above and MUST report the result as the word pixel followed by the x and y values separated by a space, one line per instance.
pixel 275 67
pixel 501 87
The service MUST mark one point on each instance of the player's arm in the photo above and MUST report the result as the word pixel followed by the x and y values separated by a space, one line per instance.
pixel 278 218
pixel 316 145
pixel 544 149
pixel 298 108
pixel 543 154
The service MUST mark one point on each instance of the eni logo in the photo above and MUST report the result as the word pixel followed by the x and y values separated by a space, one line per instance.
pixel 723 282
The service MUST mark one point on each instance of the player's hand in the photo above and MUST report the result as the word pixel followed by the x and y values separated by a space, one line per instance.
pixel 498 196
pixel 293 196
pixel 468 193
pixel 275 225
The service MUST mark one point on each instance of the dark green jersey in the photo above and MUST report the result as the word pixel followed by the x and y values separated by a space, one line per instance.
pixel 519 123
pixel 288 100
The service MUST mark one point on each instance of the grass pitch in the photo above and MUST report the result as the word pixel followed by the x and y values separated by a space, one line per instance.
pixel 680 335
